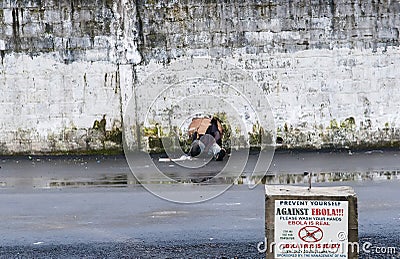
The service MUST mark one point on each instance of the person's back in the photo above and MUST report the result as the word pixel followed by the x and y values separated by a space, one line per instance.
pixel 214 131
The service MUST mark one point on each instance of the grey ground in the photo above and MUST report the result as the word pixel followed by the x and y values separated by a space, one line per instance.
pixel 42 216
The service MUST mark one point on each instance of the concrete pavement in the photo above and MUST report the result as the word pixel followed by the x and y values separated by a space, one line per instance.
pixel 123 220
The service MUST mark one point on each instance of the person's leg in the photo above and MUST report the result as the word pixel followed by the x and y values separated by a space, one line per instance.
pixel 211 147
pixel 214 149
pixel 221 154
pixel 196 148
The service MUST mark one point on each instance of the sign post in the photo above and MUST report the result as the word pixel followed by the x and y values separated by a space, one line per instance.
pixel 321 222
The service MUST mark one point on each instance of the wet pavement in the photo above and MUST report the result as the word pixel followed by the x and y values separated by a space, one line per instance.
pixel 74 207
pixel 113 171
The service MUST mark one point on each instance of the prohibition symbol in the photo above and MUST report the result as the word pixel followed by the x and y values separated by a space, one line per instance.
pixel 311 234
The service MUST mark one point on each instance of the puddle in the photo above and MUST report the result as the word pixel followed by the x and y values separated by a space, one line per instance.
pixel 114 172
pixel 333 177
pixel 112 180
pixel 126 180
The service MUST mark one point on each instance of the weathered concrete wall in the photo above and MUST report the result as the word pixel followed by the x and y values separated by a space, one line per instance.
pixel 329 68
pixel 61 65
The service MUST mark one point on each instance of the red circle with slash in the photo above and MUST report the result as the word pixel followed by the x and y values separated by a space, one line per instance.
pixel 311 234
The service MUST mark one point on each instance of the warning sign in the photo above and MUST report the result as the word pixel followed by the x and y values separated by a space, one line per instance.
pixel 311 229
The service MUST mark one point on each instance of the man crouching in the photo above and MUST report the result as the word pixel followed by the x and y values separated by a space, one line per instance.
pixel 206 137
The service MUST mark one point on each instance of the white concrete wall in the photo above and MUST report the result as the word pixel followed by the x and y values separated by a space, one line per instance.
pixel 310 89
pixel 313 92
pixel 60 71
pixel 50 106
pixel 64 66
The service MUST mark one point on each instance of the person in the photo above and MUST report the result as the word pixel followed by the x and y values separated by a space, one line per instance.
pixel 210 142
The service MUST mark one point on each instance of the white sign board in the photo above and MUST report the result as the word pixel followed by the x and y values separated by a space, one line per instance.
pixel 311 229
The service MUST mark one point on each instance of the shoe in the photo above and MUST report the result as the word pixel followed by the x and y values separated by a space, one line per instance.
pixel 220 155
